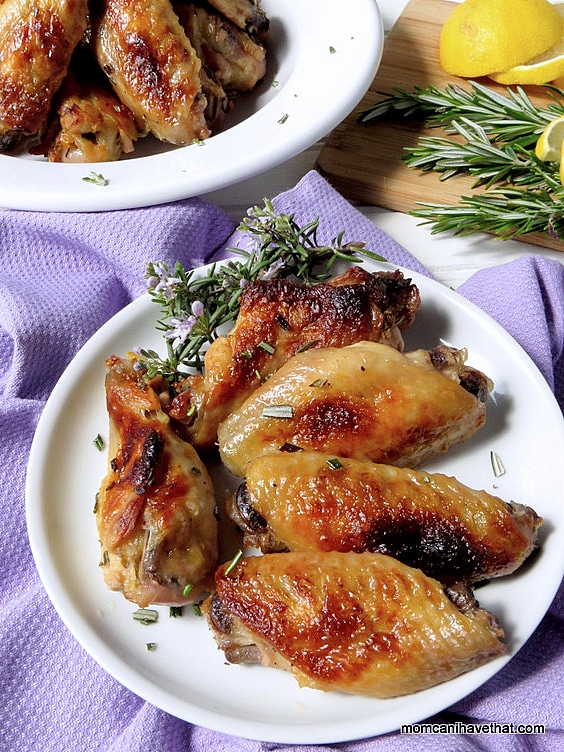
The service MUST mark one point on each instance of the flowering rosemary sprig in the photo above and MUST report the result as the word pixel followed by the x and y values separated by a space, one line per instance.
pixel 195 305
pixel 493 140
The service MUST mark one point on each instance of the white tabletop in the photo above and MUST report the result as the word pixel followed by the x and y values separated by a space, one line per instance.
pixel 450 259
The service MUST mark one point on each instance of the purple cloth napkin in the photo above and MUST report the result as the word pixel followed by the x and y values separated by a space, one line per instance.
pixel 61 277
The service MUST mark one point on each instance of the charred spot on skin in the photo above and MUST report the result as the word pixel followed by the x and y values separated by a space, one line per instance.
pixel 144 471
pixel 431 544
pixel 220 617
pixel 475 383
pixel 254 522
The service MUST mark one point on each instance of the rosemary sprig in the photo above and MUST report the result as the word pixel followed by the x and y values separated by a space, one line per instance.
pixel 505 213
pixel 504 117
pixel 493 140
pixel 194 305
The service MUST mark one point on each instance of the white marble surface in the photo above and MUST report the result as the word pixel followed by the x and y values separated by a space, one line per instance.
pixel 452 260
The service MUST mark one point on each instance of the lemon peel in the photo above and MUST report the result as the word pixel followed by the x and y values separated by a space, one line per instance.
pixel 481 37
pixel 549 144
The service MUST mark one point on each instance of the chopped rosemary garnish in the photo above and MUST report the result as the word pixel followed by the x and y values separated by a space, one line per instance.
pixel 99 443
pixel 175 612
pixel 307 345
pixel 267 347
pixel 151 646
pixel 287 447
pixel 193 306
pixel 187 590
pixel 146 616
pixel 493 140
pixel 319 382
pixel 335 463
pixel 96 179
pixel 497 464
pixel 278 411
pixel 197 610
pixel 233 563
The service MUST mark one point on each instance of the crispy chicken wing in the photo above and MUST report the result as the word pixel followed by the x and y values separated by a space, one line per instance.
pixel 236 60
pixel 155 509
pixel 277 319
pixel 366 401
pixel 304 501
pixel 37 40
pixel 89 124
pixel 153 68
pixel 360 623
pixel 246 14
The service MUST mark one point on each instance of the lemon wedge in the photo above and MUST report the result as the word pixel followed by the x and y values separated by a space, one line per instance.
pixel 481 37
pixel 549 145
pixel 537 71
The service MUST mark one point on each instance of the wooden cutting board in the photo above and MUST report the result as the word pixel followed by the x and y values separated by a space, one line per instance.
pixel 363 162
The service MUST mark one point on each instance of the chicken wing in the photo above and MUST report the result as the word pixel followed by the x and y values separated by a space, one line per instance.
pixel 277 319
pixel 246 14
pixel 236 60
pixel 366 401
pixel 305 501
pixel 155 509
pixel 153 68
pixel 359 623
pixel 89 124
pixel 37 40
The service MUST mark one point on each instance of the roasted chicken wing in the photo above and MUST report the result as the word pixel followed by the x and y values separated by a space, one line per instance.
pixel 308 501
pixel 277 319
pixel 155 509
pixel 246 14
pixel 366 401
pixel 37 40
pixel 360 623
pixel 89 124
pixel 236 60
pixel 153 68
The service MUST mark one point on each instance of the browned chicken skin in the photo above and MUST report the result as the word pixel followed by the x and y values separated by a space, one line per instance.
pixel 277 319
pixel 303 501
pixel 246 14
pixel 89 124
pixel 366 401
pixel 156 507
pixel 236 60
pixel 37 41
pixel 153 68
pixel 359 623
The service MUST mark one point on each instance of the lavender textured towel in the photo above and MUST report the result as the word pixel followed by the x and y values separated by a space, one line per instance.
pixel 61 277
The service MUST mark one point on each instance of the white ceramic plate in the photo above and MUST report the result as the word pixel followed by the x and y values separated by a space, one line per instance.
pixel 320 66
pixel 187 675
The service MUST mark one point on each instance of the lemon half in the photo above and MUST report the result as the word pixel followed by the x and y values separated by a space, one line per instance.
pixel 540 69
pixel 481 37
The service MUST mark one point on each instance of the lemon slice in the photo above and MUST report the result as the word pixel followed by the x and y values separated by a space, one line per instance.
pixel 539 70
pixel 549 144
